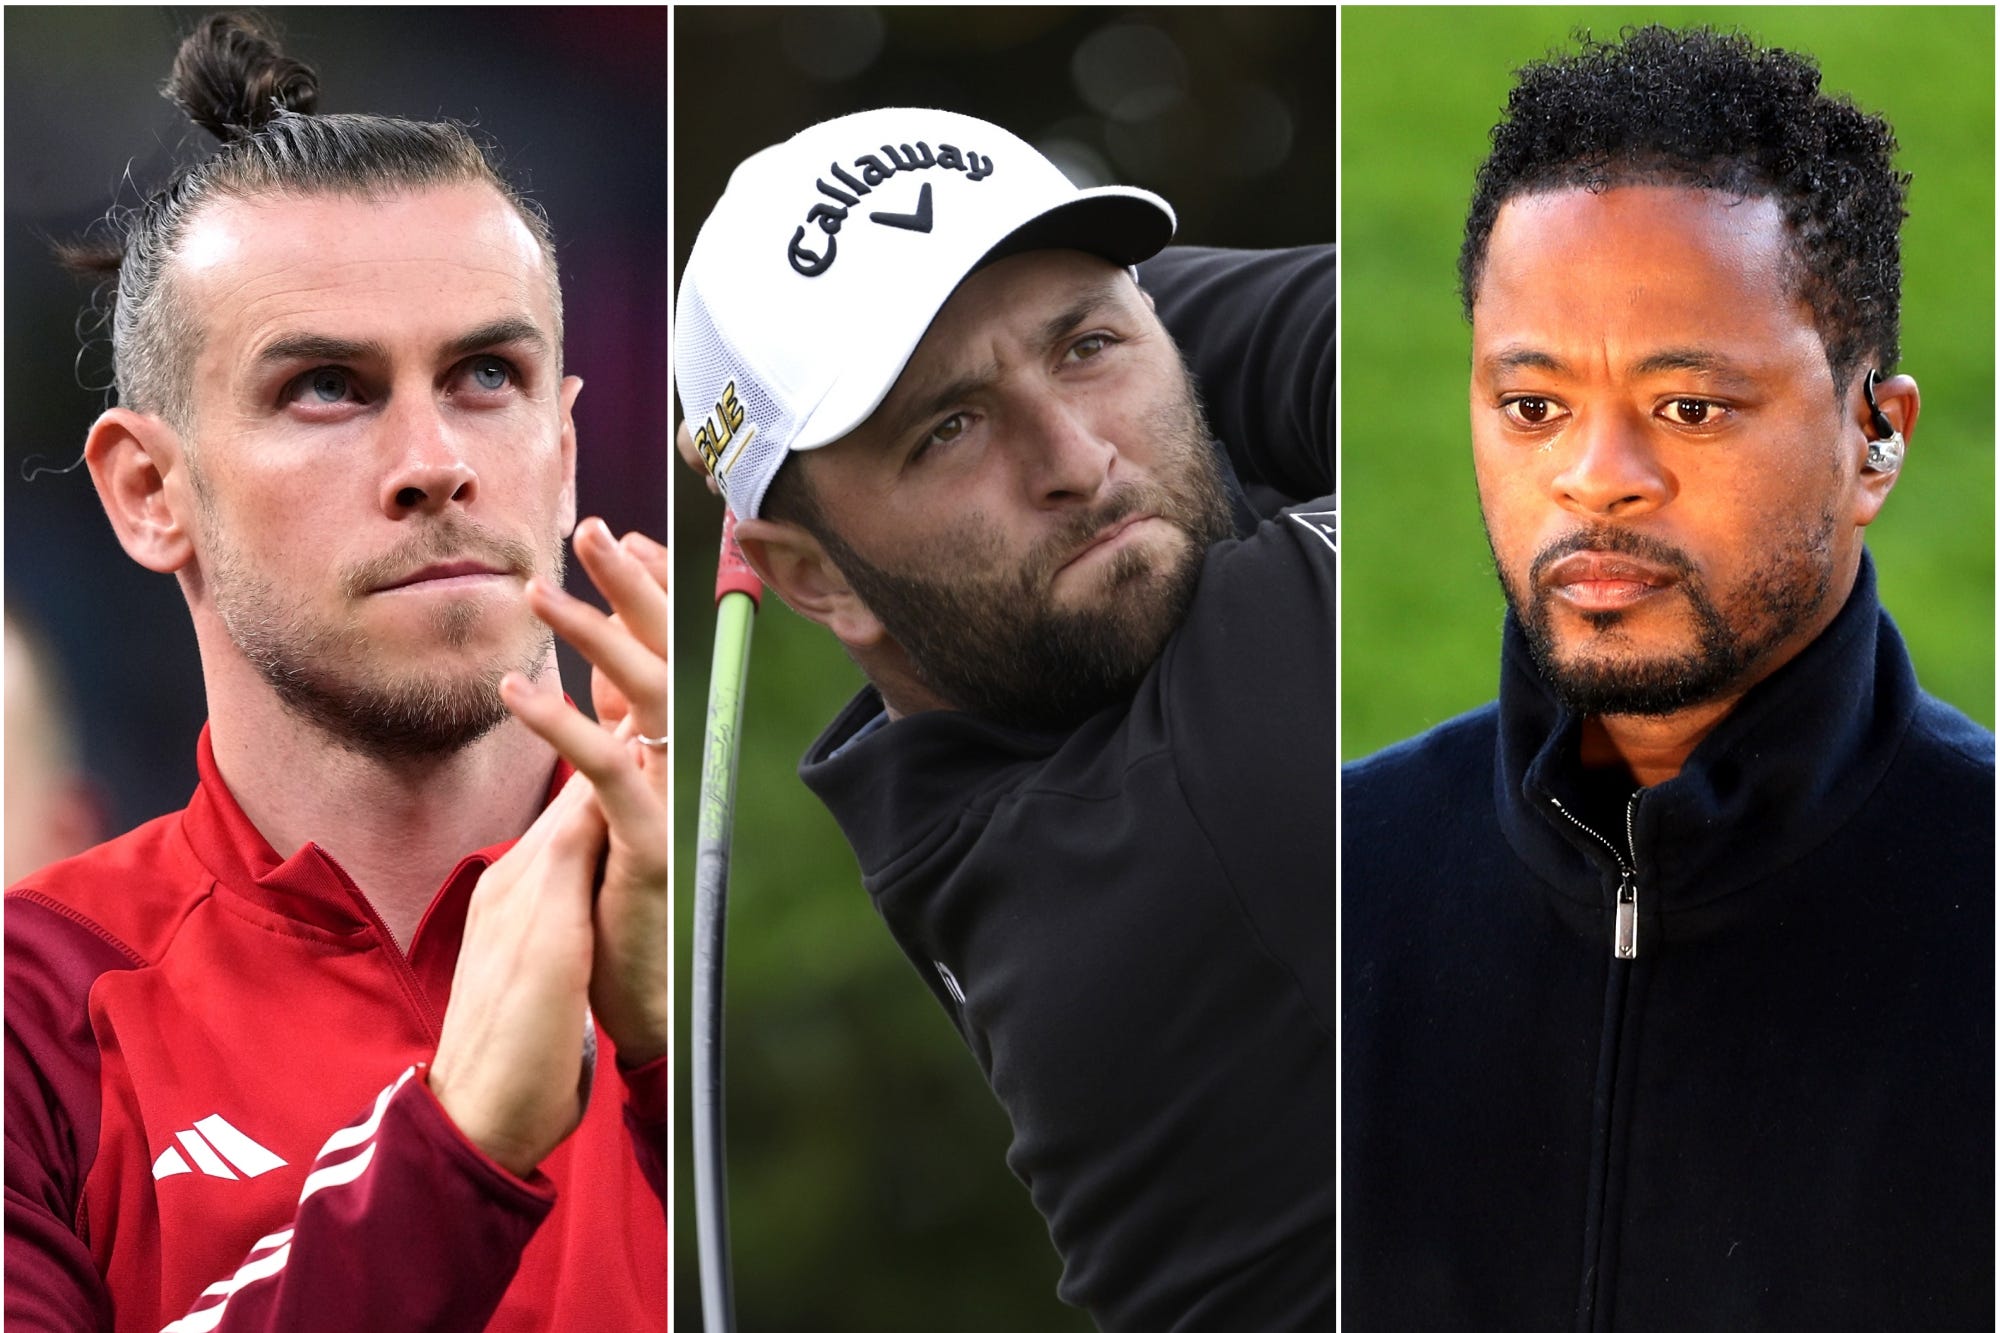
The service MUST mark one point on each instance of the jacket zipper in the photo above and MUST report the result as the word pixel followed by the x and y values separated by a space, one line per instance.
pixel 1625 926
pixel 1591 1300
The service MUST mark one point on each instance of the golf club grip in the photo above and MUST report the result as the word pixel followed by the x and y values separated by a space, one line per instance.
pixel 732 571
pixel 734 614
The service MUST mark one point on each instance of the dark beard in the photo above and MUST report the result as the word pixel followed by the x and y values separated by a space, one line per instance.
pixel 1788 594
pixel 994 644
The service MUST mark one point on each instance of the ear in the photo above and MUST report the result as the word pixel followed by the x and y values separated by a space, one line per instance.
pixel 572 385
pixel 1898 398
pixel 793 564
pixel 134 460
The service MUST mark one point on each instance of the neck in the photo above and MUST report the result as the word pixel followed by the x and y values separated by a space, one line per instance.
pixel 396 826
pixel 1651 749
pixel 889 669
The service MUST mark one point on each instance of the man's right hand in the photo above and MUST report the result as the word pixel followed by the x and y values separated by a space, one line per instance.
pixel 510 1059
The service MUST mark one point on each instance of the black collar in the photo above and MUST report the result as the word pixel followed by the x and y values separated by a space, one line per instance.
pixel 904 784
pixel 1782 773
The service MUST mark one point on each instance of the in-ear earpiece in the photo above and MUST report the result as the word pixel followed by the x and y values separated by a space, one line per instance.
pixel 1885 452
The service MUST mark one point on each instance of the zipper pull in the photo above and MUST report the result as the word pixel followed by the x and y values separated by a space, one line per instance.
pixel 1625 937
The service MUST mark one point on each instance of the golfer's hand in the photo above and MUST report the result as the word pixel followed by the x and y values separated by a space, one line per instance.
pixel 684 441
pixel 629 684
pixel 509 1062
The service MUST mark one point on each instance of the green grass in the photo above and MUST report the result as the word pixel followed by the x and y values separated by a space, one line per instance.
pixel 1421 89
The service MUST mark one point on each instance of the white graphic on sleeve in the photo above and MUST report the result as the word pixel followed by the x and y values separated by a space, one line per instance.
pixel 267 1257
pixel 211 1143
pixel 1321 525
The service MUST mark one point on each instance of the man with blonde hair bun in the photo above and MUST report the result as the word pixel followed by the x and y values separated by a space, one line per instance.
pixel 373 1034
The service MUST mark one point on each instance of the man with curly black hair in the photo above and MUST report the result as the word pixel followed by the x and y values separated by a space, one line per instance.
pixel 1669 982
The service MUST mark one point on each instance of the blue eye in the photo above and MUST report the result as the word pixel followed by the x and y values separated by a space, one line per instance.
pixel 491 373
pixel 329 384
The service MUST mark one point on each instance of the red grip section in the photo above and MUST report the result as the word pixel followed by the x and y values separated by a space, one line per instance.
pixel 732 571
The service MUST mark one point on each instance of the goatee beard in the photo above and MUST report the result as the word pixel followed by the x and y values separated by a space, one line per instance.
pixel 393 721
pixel 1729 644
pixel 327 674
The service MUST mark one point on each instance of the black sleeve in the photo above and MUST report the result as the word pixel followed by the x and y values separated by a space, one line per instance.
pixel 1257 329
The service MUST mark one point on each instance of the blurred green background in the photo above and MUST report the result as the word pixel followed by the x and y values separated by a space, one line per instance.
pixel 868 1186
pixel 1420 90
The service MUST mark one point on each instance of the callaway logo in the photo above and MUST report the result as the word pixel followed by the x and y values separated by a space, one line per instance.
pixel 719 430
pixel 212 1141
pixel 874 170
pixel 917 221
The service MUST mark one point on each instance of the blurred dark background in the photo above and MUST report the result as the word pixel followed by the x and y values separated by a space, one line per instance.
pixel 868 1189
pixel 576 100
pixel 1421 88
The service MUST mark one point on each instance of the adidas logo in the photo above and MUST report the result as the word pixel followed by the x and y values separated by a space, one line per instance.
pixel 209 1143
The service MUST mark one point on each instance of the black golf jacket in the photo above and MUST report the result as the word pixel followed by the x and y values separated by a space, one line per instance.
pixel 1132 923
pixel 1777 1116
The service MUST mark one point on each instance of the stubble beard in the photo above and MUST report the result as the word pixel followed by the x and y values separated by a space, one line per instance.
pixel 332 676
pixel 991 640
pixel 1731 644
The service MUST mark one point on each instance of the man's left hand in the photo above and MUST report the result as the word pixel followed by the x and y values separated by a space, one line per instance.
pixel 629 687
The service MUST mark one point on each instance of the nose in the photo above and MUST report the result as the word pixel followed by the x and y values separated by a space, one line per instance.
pixel 1070 460
pixel 430 470
pixel 1612 469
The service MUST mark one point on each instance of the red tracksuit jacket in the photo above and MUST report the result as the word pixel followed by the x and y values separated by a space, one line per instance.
pixel 215 1117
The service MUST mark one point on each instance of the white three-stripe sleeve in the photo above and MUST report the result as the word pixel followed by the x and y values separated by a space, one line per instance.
pixel 267 1257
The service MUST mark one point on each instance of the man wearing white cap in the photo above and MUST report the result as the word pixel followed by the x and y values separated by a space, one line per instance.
pixel 1091 783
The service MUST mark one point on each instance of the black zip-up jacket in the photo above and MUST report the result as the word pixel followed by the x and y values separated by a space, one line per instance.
pixel 1132 924
pixel 1778 1115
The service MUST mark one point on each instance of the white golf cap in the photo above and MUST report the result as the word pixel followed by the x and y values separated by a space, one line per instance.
pixel 828 256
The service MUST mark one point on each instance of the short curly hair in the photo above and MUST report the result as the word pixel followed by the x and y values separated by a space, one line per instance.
pixel 1715 111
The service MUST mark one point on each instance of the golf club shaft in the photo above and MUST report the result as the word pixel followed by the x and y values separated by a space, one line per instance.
pixel 736 592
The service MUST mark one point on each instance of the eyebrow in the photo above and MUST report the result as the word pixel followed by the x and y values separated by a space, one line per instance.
pixel 1685 358
pixel 1665 360
pixel 1523 358
pixel 320 347
pixel 914 413
pixel 512 329
pixel 1093 299
pixel 1052 331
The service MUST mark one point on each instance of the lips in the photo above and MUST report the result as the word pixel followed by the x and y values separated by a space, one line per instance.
pixel 450 569
pixel 1607 566
pixel 1605 580
pixel 1105 535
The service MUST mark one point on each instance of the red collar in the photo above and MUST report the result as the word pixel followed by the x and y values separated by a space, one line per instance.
pixel 309 885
